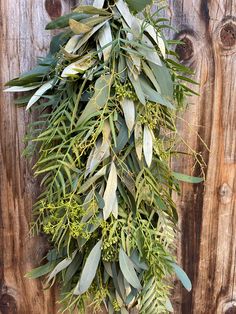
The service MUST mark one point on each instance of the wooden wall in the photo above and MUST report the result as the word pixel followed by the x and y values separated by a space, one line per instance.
pixel 207 242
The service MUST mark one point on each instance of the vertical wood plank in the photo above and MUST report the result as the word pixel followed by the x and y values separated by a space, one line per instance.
pixel 22 40
pixel 207 240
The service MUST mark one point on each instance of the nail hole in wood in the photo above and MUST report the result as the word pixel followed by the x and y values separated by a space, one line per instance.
pixel 228 35
pixel 185 51
pixel 225 194
pixel 53 8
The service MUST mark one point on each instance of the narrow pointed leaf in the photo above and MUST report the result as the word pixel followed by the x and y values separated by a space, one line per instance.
pixel 89 9
pixel 110 199
pixel 183 277
pixel 19 89
pixel 147 145
pixel 39 93
pixel 186 178
pixel 78 27
pixel 129 112
pixel 89 270
pixel 127 268
pixel 105 40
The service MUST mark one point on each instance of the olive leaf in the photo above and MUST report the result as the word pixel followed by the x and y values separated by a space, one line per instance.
pixel 80 66
pixel 180 273
pixel 89 270
pixel 88 9
pixel 138 5
pixel 186 178
pixel 17 89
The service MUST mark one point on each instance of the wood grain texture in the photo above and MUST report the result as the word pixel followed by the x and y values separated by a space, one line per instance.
pixel 207 243
pixel 208 218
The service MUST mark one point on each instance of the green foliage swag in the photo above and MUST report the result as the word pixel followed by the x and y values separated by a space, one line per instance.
pixel 106 99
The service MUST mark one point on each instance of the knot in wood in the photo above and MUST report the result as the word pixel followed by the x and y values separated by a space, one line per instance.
pixel 228 34
pixel 225 194
pixel 53 8
pixel 185 51
pixel 7 304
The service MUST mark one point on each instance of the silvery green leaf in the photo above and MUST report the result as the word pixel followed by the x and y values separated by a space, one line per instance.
pixel 149 52
pixel 86 37
pixel 19 89
pixel 151 76
pixel 164 79
pixel 105 40
pixel 89 270
pixel 127 268
pixel 62 265
pixel 129 112
pixel 92 180
pixel 161 45
pixel 124 311
pixel 99 99
pixel 147 145
pixel 153 95
pixel 98 3
pixel 39 93
pixel 183 277
pixel 130 20
pixel 101 150
pixel 110 198
pixel 137 88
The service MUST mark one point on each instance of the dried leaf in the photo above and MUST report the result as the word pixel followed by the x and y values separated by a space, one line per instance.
pixel 78 27
pixel 80 66
pixel 138 137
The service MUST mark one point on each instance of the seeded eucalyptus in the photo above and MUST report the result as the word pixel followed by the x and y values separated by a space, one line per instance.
pixel 106 99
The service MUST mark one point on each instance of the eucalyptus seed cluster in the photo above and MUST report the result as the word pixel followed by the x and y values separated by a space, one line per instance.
pixel 125 91
pixel 151 116
pixel 110 244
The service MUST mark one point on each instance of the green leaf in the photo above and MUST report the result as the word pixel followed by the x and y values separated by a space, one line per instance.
pixel 110 197
pixel 89 270
pixel 138 139
pixel 138 5
pixel 153 95
pixel 180 273
pixel 164 79
pixel 73 267
pixel 127 268
pixel 63 21
pixel 186 178
pixel 62 265
pixel 80 66
pixel 40 271
pixel 138 89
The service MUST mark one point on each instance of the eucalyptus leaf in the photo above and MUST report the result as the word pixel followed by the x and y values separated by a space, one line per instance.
pixel 39 93
pixel 180 273
pixel 89 271
pixel 63 21
pixel 138 5
pixel 110 197
pixel 186 178
pixel 147 145
pixel 127 268
pixel 129 112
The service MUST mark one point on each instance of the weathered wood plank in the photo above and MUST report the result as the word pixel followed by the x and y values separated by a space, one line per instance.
pixel 22 39
pixel 207 242
pixel 207 247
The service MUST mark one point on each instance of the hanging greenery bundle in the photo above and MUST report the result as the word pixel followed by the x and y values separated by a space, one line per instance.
pixel 106 98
